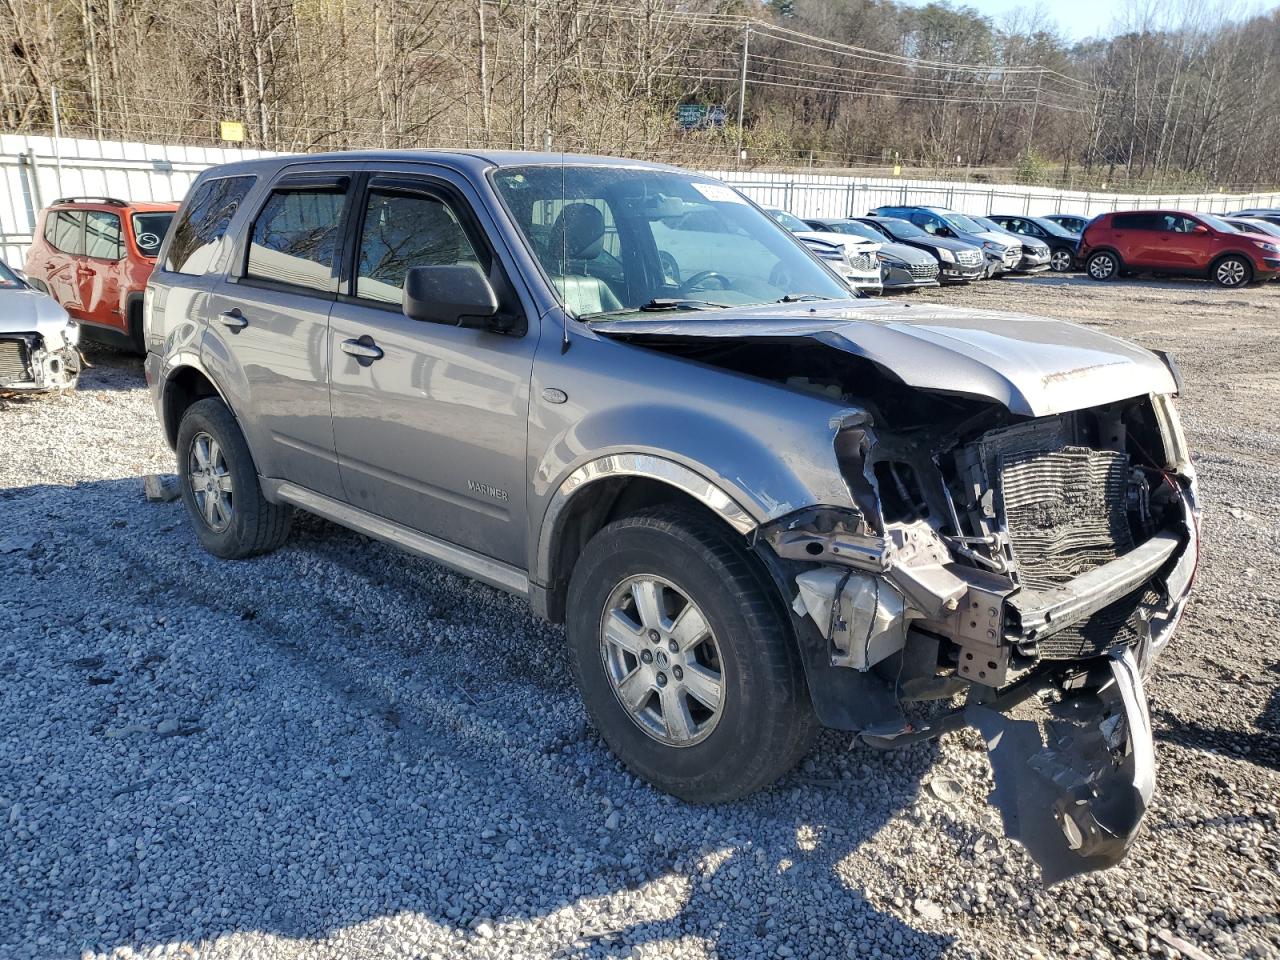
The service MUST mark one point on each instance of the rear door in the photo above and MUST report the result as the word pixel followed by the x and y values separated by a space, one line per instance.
pixel 1138 238
pixel 64 233
pixel 267 336
pixel 430 421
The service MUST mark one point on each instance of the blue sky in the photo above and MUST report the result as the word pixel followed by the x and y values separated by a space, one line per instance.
pixel 1082 19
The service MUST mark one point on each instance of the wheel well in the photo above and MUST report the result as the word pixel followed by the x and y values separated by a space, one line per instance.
pixel 589 510
pixel 183 388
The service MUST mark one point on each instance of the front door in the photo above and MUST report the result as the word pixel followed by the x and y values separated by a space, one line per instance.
pixel 430 421
pixel 267 338
pixel 100 271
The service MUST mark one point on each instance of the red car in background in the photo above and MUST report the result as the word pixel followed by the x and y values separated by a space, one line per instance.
pixel 1175 241
pixel 94 255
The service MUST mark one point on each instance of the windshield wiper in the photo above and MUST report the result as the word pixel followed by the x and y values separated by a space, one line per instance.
pixel 799 298
pixel 657 303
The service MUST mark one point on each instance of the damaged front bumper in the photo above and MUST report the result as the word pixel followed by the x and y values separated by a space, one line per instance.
pixel 28 364
pixel 1052 670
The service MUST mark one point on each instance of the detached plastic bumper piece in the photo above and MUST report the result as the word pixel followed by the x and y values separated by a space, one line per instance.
pixel 1073 788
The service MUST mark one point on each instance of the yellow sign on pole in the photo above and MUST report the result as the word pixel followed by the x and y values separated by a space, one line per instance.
pixel 231 130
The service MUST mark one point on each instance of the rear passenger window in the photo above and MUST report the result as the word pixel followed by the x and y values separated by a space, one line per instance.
pixel 68 231
pixel 1137 221
pixel 102 235
pixel 203 223
pixel 402 231
pixel 295 237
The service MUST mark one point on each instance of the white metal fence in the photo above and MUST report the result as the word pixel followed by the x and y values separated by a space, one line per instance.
pixel 34 171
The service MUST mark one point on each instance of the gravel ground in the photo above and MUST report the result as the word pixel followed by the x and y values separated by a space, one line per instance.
pixel 342 751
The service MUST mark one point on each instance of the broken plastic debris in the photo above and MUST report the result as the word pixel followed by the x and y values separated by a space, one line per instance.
pixel 161 487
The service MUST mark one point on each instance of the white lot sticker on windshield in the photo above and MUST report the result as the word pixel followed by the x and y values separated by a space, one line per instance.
pixel 718 192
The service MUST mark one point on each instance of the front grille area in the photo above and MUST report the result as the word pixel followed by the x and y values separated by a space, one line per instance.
pixel 1065 512
pixel 863 261
pixel 15 361
pixel 924 271
pixel 969 258
pixel 1012 255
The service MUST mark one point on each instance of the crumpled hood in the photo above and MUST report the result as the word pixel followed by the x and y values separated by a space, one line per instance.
pixel 1000 239
pixel 1034 366
pixel 24 310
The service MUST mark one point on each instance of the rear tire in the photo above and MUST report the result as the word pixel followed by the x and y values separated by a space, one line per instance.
pixel 1103 265
pixel 683 578
pixel 1232 271
pixel 231 517
pixel 137 342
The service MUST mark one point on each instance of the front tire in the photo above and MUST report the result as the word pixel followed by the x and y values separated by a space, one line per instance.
pixel 231 517
pixel 1103 265
pixel 1061 260
pixel 1232 271
pixel 685 659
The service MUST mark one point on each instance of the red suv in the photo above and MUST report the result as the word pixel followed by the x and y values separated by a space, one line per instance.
pixel 1173 241
pixel 94 255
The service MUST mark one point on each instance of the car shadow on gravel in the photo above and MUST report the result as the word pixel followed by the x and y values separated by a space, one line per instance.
pixel 1261 746
pixel 341 743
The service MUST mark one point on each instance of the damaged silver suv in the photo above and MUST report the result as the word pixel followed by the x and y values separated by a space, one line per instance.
pixel 623 391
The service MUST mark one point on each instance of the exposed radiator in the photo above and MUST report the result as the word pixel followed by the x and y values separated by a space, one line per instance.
pixel 15 361
pixel 1065 511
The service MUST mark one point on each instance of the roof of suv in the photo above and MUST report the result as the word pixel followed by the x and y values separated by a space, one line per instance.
pixel 476 160
pixel 111 203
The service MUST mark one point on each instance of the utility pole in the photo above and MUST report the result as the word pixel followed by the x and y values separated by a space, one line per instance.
pixel 742 86
pixel 1035 108
pixel 57 134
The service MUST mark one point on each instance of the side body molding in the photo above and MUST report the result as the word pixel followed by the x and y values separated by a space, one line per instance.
pixel 633 465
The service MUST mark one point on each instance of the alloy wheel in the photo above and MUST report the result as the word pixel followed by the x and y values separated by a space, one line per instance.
pixel 1060 261
pixel 1102 267
pixel 662 660
pixel 1230 273
pixel 210 480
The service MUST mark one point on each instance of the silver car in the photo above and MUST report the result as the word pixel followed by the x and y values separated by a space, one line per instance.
pixel 38 340
pixel 623 391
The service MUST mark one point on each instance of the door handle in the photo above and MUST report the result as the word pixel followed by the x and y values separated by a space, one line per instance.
pixel 233 320
pixel 364 350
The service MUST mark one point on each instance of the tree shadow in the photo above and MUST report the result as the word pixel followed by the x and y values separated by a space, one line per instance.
pixel 342 743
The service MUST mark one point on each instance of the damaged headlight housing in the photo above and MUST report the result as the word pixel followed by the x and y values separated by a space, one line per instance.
pixel 946 256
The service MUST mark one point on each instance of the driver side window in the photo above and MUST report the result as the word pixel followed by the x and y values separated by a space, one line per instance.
pixel 402 231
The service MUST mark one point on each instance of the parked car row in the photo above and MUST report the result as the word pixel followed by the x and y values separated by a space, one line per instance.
pixel 1231 250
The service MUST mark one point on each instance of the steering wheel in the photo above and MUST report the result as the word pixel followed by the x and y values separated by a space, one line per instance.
pixel 694 282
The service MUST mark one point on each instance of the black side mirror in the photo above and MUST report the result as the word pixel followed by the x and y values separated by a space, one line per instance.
pixel 458 295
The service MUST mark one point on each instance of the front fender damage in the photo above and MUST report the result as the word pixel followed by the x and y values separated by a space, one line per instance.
pixel 977 588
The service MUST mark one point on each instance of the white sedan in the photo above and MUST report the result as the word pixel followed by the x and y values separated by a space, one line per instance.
pixel 37 339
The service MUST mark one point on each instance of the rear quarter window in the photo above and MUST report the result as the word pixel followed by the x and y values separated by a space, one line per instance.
pixel 1137 221
pixel 204 222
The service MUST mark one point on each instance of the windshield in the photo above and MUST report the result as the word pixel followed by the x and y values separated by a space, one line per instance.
pixel 905 228
pixel 792 223
pixel 8 278
pixel 855 229
pixel 149 229
pixel 965 224
pixel 615 240
pixel 1053 229
pixel 1256 226
pixel 1217 223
